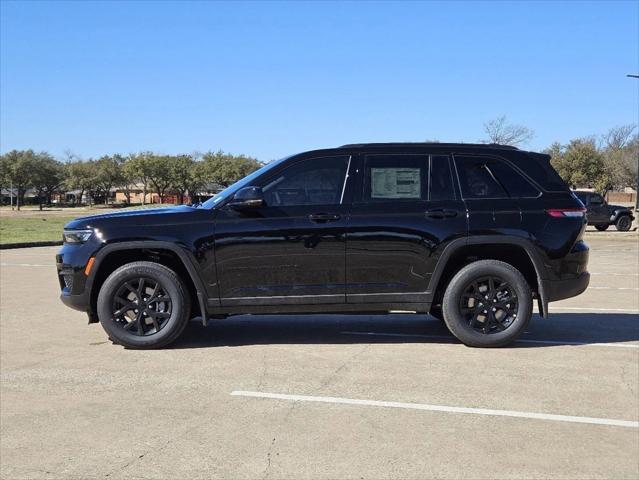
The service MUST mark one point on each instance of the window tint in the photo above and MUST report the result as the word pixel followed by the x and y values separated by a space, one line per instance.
pixel 395 178
pixel 583 197
pixel 537 166
pixel 441 181
pixel 317 181
pixel 483 177
pixel 476 180
pixel 515 184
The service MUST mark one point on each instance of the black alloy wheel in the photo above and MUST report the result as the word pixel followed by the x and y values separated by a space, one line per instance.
pixel 489 305
pixel 142 306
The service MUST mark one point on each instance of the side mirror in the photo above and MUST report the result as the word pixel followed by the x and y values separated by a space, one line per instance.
pixel 247 198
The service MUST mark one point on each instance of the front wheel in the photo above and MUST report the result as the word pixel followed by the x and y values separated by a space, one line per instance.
pixel 143 305
pixel 488 303
pixel 623 223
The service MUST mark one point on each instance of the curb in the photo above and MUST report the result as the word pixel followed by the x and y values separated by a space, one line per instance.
pixel 7 246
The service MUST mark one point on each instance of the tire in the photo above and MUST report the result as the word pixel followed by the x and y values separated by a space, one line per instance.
pixel 623 223
pixel 511 296
pixel 602 228
pixel 159 322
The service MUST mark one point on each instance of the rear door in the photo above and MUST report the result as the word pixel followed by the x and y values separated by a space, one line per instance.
pixel 499 198
pixel 405 211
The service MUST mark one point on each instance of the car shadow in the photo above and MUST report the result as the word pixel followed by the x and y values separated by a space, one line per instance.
pixel 560 329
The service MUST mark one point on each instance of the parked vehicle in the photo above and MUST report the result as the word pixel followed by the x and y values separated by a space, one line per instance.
pixel 600 214
pixel 469 233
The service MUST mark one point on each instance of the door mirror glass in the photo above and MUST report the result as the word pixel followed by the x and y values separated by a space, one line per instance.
pixel 247 198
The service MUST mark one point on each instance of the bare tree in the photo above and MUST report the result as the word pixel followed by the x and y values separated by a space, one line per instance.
pixel 504 133
pixel 619 137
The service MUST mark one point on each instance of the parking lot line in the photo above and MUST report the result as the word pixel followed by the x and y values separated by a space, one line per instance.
pixel 543 342
pixel 440 408
pixel 616 274
pixel 26 265
pixel 595 309
pixel 613 288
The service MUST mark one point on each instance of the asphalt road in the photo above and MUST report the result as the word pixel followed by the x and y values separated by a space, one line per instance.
pixel 303 396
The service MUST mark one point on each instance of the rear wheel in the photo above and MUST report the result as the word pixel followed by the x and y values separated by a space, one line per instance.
pixel 143 305
pixel 601 228
pixel 623 223
pixel 488 303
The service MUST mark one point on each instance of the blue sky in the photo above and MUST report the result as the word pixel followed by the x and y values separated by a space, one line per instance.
pixel 270 79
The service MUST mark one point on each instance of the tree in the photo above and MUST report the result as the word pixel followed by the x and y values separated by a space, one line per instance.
pixel 81 175
pixel 108 174
pixel 504 133
pixel 187 175
pixel 580 164
pixel 138 166
pixel 225 169
pixel 620 152
pixel 18 168
pixel 160 174
pixel 48 176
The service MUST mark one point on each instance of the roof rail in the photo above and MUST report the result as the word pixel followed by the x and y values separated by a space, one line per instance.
pixel 431 144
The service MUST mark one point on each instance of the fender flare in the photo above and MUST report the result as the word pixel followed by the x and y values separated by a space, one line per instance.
pixel 523 243
pixel 185 257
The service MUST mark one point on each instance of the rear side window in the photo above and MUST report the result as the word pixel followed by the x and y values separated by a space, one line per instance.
pixel 514 182
pixel 476 180
pixel 537 166
pixel 484 177
pixel 396 178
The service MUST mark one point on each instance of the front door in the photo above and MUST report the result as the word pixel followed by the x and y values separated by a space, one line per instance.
pixel 405 211
pixel 291 250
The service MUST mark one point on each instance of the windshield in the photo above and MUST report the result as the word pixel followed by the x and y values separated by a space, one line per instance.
pixel 246 181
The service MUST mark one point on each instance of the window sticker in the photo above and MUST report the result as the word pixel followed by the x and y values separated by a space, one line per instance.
pixel 395 183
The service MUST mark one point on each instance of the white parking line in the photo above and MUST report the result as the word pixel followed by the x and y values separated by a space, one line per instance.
pixel 613 288
pixel 593 309
pixel 440 408
pixel 25 265
pixel 542 342
pixel 616 274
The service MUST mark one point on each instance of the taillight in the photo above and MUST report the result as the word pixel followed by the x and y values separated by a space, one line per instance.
pixel 566 212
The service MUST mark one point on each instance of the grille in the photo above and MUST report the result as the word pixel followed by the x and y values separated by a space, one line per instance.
pixel 68 281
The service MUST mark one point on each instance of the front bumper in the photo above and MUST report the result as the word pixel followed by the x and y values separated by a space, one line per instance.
pixel 561 289
pixel 76 302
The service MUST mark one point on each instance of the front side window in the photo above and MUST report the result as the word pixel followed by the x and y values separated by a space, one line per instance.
pixel 316 181
pixel 596 199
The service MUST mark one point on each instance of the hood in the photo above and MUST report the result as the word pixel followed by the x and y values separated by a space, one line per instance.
pixel 155 216
pixel 618 207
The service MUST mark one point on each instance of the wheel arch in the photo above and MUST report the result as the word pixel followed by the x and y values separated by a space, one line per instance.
pixel 497 247
pixel 112 256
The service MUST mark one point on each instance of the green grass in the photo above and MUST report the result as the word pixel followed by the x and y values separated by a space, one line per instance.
pixel 33 228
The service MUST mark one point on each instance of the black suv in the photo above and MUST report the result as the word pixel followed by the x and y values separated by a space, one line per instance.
pixel 600 214
pixel 469 233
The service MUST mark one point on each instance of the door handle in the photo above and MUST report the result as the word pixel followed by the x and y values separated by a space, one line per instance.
pixel 324 217
pixel 439 213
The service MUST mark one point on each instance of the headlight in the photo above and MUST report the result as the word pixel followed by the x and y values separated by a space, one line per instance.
pixel 76 236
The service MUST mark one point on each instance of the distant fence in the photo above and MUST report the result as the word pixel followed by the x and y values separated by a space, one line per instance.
pixel 621 197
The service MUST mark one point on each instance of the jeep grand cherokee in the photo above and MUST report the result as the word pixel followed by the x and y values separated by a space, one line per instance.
pixel 471 234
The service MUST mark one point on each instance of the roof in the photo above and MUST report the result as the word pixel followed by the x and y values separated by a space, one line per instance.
pixel 491 146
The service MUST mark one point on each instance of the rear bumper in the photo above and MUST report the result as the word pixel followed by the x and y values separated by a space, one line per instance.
pixel 561 289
